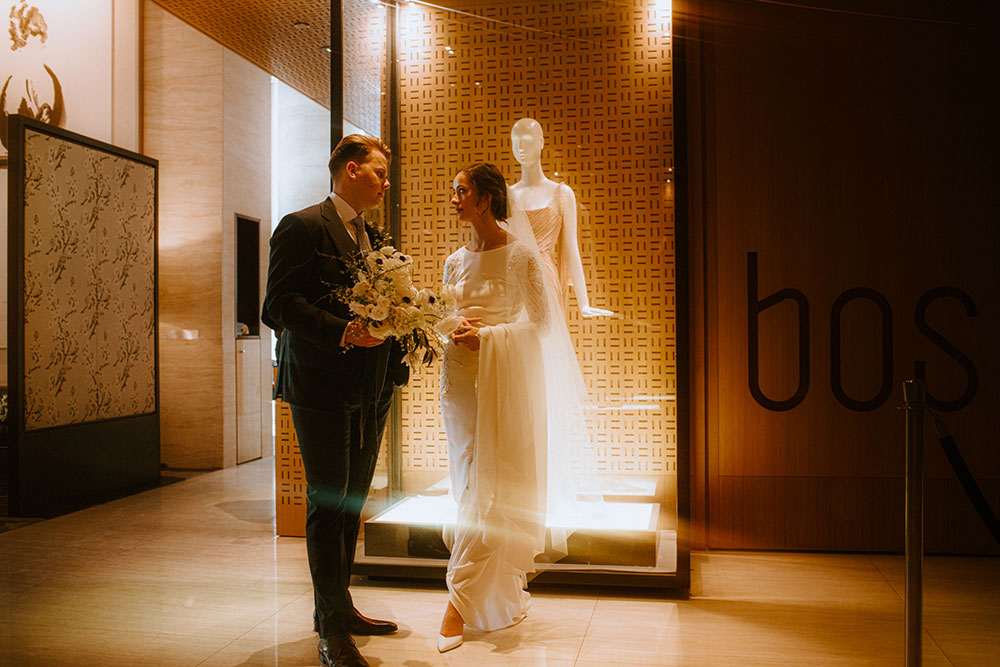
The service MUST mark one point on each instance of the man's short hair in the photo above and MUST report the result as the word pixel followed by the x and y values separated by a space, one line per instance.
pixel 356 148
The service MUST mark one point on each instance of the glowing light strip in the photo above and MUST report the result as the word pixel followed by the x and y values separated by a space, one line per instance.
pixel 441 510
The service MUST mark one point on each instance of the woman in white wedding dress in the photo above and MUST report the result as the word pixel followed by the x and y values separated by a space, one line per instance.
pixel 493 398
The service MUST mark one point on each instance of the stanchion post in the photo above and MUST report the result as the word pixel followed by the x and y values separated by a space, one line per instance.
pixel 914 393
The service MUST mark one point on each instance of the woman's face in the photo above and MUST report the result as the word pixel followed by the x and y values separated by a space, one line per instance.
pixel 465 199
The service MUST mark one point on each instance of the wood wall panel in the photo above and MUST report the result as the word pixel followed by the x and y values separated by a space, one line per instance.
pixel 246 191
pixel 206 119
pixel 597 76
pixel 844 148
pixel 182 117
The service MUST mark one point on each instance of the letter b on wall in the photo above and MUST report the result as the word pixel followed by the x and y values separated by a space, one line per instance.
pixel 755 307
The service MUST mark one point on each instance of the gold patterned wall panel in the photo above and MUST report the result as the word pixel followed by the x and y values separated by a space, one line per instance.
pixel 597 76
pixel 364 63
pixel 290 477
pixel 89 284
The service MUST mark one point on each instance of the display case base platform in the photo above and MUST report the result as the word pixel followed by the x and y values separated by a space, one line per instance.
pixel 610 544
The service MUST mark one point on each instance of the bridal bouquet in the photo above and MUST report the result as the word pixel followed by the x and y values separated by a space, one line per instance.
pixel 385 298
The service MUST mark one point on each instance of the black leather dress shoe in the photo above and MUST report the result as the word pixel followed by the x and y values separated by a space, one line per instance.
pixel 362 625
pixel 340 651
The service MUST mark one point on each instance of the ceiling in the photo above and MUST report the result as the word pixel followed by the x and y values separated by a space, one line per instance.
pixel 265 33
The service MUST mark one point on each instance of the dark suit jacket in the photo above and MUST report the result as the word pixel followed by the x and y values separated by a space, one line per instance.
pixel 306 261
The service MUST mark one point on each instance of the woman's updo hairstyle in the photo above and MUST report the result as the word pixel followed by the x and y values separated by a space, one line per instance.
pixel 487 179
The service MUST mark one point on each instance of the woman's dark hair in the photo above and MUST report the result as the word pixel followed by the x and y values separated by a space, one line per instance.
pixel 487 180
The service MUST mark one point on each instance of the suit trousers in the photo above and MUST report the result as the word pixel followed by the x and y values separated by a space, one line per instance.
pixel 339 462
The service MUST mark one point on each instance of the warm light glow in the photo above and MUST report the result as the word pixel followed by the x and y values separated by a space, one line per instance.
pixel 441 510
pixel 630 406
pixel 412 21
pixel 663 9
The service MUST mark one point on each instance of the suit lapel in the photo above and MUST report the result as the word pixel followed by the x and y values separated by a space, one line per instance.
pixel 335 228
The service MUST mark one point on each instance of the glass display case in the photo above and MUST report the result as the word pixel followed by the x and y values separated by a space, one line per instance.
pixel 445 87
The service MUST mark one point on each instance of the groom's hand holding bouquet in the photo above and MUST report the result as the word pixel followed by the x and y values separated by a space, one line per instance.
pixel 388 305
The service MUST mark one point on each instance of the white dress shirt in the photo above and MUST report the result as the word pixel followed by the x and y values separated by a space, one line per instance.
pixel 346 213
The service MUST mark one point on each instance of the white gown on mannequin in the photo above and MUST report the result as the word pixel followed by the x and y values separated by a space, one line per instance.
pixel 494 407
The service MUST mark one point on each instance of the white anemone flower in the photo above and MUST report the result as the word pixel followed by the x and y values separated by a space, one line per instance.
pixel 379 329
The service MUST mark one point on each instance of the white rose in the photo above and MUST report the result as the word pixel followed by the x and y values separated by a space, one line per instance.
pixel 359 309
pixel 379 311
pixel 387 251
pixel 360 289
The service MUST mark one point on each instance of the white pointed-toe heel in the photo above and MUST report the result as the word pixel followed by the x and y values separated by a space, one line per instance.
pixel 448 643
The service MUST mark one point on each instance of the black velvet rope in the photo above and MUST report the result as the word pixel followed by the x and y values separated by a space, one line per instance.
pixel 968 482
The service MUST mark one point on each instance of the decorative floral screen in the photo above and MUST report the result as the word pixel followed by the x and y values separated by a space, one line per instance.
pixel 89 284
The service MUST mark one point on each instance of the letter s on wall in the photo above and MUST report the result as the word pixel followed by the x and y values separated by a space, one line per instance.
pixel 949 348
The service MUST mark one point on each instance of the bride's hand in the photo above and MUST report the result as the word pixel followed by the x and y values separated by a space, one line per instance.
pixel 590 311
pixel 467 333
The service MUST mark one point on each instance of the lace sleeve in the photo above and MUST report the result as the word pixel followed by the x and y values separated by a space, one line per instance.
pixel 449 269
pixel 531 287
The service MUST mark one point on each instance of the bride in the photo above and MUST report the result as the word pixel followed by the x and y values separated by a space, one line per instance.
pixel 494 405
pixel 513 401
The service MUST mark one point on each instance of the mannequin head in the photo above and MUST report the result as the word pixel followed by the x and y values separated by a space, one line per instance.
pixel 526 141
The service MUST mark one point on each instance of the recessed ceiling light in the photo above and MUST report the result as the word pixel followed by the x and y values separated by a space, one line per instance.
pixel 327 49
pixel 301 25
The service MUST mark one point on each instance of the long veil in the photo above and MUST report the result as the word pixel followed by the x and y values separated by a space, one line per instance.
pixel 573 488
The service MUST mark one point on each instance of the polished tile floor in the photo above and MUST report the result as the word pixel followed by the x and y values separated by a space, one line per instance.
pixel 190 574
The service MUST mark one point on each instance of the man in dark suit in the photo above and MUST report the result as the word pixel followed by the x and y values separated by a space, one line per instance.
pixel 337 379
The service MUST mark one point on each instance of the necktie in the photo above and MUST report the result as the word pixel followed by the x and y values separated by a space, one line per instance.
pixel 364 245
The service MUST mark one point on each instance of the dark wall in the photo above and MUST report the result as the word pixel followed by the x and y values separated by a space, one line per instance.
pixel 842 158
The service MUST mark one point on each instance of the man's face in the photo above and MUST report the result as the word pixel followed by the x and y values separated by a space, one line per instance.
pixel 368 180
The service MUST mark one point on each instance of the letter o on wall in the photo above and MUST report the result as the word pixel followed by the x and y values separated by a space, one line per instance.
pixel 835 349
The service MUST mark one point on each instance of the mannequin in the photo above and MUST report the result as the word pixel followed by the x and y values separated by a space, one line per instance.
pixel 551 208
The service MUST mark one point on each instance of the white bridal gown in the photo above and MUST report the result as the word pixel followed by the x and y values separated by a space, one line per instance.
pixel 494 408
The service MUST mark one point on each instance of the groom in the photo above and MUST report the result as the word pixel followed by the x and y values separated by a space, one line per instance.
pixel 337 379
